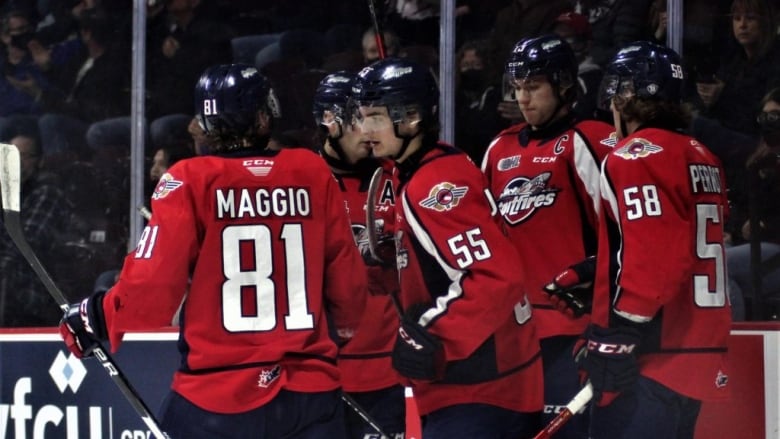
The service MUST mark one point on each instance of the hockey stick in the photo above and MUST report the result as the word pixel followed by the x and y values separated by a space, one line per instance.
pixel 373 188
pixel 412 421
pixel 10 184
pixel 573 407
pixel 363 414
pixel 380 39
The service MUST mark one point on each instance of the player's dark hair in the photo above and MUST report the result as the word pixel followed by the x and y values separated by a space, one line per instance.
pixel 659 113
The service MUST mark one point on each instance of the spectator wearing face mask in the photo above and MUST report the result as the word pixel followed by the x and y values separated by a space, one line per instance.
pixel 575 29
pixel 476 98
pixel 762 226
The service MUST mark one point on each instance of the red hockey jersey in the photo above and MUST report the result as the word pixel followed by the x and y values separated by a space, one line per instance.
pixel 365 361
pixel 546 186
pixel 454 258
pixel 267 244
pixel 661 260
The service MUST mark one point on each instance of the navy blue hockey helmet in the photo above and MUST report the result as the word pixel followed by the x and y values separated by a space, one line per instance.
pixel 547 55
pixel 228 97
pixel 645 70
pixel 402 86
pixel 333 95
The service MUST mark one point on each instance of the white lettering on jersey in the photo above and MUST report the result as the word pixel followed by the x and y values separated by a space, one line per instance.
pixel 705 178
pixel 281 201
pixel 522 196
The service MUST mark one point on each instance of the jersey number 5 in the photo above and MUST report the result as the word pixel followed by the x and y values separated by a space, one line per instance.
pixel 709 251
pixel 239 279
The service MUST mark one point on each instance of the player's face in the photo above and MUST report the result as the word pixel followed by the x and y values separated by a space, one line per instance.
pixel 536 98
pixel 376 129
pixel 352 143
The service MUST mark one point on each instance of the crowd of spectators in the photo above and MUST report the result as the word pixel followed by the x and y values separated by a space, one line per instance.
pixel 66 84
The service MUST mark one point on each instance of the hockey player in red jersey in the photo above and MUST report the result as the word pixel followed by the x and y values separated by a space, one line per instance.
pixel 661 316
pixel 366 372
pixel 467 341
pixel 544 175
pixel 265 239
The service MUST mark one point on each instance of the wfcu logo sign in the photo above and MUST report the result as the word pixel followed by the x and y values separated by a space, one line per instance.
pixel 41 398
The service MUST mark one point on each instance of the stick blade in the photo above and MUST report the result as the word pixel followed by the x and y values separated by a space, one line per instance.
pixel 10 175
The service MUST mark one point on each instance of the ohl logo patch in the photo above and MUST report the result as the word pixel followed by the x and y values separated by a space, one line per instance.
pixel 444 196
pixel 523 196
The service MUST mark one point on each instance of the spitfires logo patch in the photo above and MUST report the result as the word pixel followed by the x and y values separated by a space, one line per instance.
pixel 523 196
pixel 444 196
pixel 165 186
pixel 267 376
pixel 637 149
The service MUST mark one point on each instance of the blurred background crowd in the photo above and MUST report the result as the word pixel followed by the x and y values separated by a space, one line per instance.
pixel 65 101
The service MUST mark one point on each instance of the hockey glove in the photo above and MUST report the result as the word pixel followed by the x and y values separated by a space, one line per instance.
pixel 417 354
pixel 385 251
pixel 608 360
pixel 82 327
pixel 572 290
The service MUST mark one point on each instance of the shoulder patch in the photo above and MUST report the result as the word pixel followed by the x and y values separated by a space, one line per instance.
pixel 165 186
pixel 637 148
pixel 610 141
pixel 444 196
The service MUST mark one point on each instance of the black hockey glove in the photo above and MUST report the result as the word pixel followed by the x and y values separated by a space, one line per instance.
pixel 572 290
pixel 417 354
pixel 83 327
pixel 385 251
pixel 608 359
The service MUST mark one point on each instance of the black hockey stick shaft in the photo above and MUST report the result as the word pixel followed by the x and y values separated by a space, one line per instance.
pixel 413 426
pixel 380 39
pixel 10 184
pixel 363 414
pixel 373 243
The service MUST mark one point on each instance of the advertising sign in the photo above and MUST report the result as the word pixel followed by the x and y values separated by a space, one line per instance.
pixel 46 392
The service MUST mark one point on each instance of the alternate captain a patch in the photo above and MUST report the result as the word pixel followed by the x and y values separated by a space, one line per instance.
pixel 165 186
pixel 636 149
pixel 444 196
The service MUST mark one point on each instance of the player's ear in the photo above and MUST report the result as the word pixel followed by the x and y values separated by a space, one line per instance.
pixel 263 122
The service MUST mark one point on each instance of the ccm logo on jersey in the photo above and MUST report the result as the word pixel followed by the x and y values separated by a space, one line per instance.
pixel 611 348
pixel 638 148
pixel 444 196
pixel 165 186
pixel 259 167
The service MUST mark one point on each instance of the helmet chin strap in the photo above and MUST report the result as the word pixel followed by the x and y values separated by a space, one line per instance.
pixel 406 141
pixel 335 144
